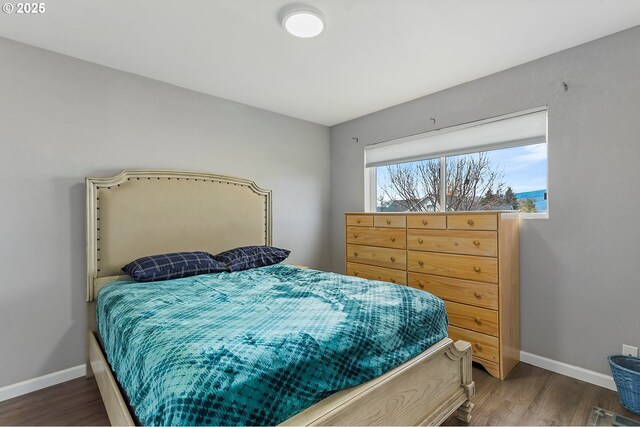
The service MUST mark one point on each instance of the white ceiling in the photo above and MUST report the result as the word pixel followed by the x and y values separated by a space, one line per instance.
pixel 373 53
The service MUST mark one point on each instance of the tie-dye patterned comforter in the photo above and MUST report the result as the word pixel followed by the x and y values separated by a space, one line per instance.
pixel 257 346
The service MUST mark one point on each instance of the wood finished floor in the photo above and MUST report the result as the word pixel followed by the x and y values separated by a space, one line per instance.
pixel 529 396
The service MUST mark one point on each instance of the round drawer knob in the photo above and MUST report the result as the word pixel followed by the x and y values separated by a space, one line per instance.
pixel 393 239
pixel 393 280
pixel 477 269
pixel 421 285
pixel 388 221
pixel 358 221
pixel 477 294
pixel 478 347
pixel 420 241
pixel 355 236
pixel 421 263
pixel 476 242
pixel 470 222
pixel 425 222
pixel 393 259
pixel 355 254
pixel 355 273
pixel 478 321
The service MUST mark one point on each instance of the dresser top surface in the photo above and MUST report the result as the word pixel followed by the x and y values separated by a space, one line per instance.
pixel 435 213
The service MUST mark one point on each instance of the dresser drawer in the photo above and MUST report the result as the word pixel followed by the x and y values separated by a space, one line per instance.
pixel 372 255
pixel 483 243
pixel 360 220
pixel 395 221
pixel 482 269
pixel 428 222
pixel 473 318
pixel 376 273
pixel 483 346
pixel 462 291
pixel 472 222
pixel 384 237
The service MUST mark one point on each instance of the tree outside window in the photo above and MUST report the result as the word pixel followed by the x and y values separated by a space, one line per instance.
pixel 506 179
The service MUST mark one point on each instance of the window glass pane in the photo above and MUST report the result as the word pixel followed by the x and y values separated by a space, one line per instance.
pixel 507 179
pixel 410 187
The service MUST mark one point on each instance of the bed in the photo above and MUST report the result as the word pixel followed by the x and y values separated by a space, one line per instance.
pixel 140 212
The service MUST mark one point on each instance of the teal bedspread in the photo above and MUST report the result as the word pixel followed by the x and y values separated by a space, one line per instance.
pixel 256 347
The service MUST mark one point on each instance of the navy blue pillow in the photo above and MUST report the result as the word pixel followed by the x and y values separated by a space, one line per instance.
pixel 247 257
pixel 172 266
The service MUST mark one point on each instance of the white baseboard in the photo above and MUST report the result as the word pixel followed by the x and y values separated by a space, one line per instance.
pixel 576 372
pixel 24 387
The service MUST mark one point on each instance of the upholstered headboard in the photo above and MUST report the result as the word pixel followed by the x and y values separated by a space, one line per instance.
pixel 147 212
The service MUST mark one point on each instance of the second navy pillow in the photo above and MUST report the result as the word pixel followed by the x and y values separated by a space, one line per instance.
pixel 246 257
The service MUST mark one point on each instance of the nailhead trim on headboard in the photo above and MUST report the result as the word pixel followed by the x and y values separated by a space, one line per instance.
pixel 93 219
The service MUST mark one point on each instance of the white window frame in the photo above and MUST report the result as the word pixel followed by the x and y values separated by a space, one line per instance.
pixel 371 178
pixel 370 189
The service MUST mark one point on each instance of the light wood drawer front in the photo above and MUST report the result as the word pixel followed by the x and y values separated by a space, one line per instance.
pixel 395 221
pixel 429 222
pixel 360 220
pixel 482 269
pixel 484 243
pixel 383 257
pixel 483 346
pixel 474 318
pixel 463 291
pixel 377 273
pixel 472 222
pixel 385 237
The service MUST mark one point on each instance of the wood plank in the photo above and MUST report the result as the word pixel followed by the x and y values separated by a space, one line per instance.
pixel 472 318
pixel 545 410
pixel 522 387
pixel 384 237
pixel 509 304
pixel 481 269
pixel 394 221
pixel 463 291
pixel 382 257
pixel 483 346
pixel 430 221
pixel 75 402
pixel 603 398
pixel 473 221
pixel 377 273
pixel 481 243
pixel 360 220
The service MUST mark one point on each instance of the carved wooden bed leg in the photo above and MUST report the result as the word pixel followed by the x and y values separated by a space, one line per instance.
pixel 464 412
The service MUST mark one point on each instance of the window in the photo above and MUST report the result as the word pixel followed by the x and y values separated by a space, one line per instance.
pixel 497 164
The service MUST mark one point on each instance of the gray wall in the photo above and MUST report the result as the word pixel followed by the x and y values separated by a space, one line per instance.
pixel 580 295
pixel 62 119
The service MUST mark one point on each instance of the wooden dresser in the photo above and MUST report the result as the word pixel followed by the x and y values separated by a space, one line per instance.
pixel 469 259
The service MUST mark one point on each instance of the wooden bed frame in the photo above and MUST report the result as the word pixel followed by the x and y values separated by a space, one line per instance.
pixel 143 212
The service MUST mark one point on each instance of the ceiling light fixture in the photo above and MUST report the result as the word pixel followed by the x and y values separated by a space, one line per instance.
pixel 302 21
